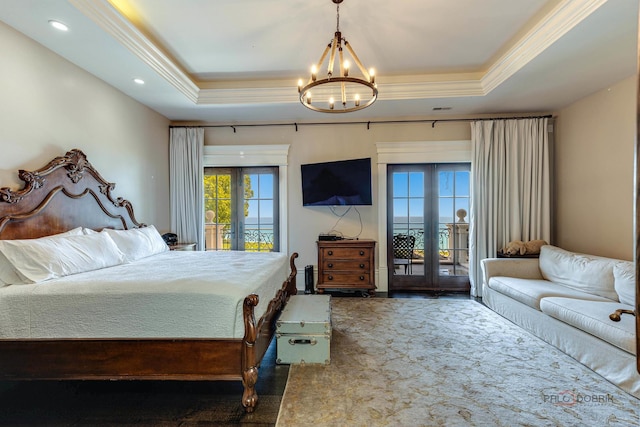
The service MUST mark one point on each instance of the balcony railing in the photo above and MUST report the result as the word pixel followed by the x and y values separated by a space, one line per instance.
pixel 453 243
pixel 218 237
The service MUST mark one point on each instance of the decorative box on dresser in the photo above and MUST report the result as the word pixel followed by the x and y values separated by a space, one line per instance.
pixel 346 264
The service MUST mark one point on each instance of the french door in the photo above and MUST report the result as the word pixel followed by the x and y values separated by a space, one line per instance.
pixel 241 209
pixel 428 229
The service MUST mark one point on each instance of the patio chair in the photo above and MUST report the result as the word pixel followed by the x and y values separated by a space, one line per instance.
pixel 403 251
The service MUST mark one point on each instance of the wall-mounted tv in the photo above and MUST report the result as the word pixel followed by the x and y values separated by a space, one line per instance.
pixel 344 182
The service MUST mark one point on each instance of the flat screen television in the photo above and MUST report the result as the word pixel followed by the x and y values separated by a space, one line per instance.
pixel 344 182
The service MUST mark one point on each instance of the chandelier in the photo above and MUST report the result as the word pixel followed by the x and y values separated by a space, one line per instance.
pixel 342 93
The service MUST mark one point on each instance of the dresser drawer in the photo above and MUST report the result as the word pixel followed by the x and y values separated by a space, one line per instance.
pixel 350 253
pixel 345 264
pixel 345 278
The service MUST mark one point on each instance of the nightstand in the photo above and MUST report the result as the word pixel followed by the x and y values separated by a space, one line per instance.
pixel 183 247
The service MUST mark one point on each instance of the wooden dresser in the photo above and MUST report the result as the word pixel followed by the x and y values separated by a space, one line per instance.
pixel 346 264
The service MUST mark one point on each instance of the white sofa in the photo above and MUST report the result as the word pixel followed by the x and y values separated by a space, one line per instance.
pixel 565 298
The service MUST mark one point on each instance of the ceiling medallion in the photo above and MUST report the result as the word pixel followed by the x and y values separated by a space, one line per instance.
pixel 352 93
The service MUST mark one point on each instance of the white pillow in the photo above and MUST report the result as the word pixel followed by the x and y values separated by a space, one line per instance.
pixel 587 273
pixel 624 273
pixel 9 275
pixel 44 259
pixel 138 243
pixel 74 232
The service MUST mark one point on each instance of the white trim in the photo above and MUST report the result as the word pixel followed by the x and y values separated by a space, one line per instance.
pixel 547 31
pixel 124 32
pixel 405 153
pixel 257 155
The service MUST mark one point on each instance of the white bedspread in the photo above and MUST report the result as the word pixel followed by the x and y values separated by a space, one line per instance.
pixel 177 294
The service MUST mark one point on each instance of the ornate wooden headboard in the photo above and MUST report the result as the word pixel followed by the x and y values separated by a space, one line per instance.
pixel 66 193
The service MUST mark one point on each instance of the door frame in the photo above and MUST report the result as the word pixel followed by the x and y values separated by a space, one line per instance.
pixel 407 153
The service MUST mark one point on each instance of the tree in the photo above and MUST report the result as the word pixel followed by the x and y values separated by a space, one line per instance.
pixel 217 196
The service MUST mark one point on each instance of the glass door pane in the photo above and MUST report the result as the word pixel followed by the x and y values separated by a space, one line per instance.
pixel 218 209
pixel 453 227
pixel 407 236
pixel 260 200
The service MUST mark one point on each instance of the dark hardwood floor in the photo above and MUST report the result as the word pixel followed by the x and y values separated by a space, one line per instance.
pixel 154 403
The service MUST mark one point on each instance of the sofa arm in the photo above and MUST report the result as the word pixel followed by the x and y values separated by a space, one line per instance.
pixel 523 268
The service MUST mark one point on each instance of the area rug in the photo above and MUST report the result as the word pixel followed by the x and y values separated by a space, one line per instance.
pixel 426 362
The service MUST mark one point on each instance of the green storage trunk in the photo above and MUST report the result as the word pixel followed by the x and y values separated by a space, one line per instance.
pixel 303 331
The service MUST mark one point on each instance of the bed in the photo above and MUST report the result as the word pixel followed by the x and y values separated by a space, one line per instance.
pixel 139 318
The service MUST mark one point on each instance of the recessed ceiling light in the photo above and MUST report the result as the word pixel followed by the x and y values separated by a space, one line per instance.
pixel 58 25
pixel 138 81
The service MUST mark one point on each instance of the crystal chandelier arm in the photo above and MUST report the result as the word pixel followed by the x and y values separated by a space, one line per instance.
pixel 363 70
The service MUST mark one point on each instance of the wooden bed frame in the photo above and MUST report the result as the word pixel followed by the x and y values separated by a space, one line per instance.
pixel 66 193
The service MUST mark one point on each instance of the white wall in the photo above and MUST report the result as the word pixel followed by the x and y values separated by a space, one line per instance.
pixel 311 144
pixel 594 172
pixel 49 106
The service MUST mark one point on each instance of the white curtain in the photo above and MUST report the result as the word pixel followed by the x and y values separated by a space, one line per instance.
pixel 186 187
pixel 510 188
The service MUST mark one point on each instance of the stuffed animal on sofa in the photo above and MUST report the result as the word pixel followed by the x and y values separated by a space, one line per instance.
pixel 518 247
pixel 515 247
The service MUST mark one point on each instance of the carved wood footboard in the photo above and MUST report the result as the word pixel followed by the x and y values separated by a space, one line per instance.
pixel 258 336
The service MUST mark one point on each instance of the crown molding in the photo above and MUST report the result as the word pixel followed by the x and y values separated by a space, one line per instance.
pixel 250 95
pixel 566 15
pixel 125 33
pixel 561 19
pixel 436 89
pixel 388 91
pixel 245 155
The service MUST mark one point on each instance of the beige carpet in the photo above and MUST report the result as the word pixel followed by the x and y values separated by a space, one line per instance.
pixel 421 362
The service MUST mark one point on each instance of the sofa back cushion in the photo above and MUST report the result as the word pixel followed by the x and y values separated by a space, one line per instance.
pixel 587 273
pixel 624 274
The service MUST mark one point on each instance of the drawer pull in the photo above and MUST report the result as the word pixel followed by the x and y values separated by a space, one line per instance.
pixel 330 265
pixel 330 277
pixel 361 252
pixel 361 277
pixel 312 341
pixel 330 252
pixel 361 265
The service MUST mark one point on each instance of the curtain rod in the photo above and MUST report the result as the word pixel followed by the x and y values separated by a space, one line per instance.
pixel 368 123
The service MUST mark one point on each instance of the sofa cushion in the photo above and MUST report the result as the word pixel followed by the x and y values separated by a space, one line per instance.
pixel 593 318
pixel 587 273
pixel 531 291
pixel 624 275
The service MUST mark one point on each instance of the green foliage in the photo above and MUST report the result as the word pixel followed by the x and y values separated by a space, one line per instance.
pixel 217 196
